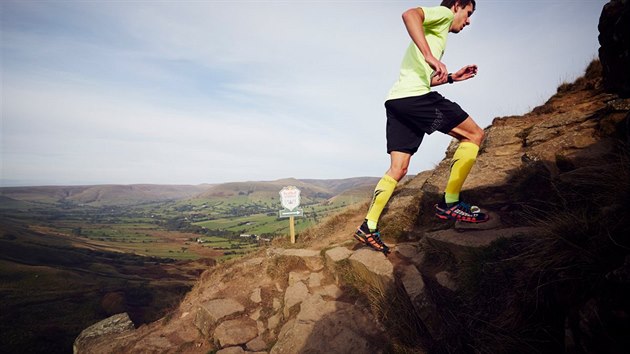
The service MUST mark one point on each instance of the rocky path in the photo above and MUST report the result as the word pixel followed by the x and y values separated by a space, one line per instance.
pixel 296 301
pixel 333 296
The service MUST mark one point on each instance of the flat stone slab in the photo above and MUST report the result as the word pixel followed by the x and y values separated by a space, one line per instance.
pixel 493 223
pixel 411 252
pixel 329 327
pixel 115 324
pixel 214 310
pixel 425 308
pixel 462 242
pixel 256 296
pixel 337 254
pixel 231 350
pixel 256 344
pixel 315 280
pixel 373 267
pixel 294 295
pixel 236 332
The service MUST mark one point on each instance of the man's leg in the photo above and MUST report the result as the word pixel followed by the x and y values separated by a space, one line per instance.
pixel 470 136
pixel 368 232
pixel 399 162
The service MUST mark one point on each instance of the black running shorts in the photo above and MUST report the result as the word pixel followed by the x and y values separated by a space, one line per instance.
pixel 409 118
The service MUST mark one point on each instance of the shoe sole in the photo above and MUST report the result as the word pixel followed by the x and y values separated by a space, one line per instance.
pixel 446 217
pixel 359 238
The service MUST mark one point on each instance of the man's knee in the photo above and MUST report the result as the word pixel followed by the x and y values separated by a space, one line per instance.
pixel 474 135
pixel 478 136
pixel 397 172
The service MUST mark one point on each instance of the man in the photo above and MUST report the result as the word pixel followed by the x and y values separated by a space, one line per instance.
pixel 413 110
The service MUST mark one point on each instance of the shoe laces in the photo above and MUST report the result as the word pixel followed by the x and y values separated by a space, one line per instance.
pixel 376 235
pixel 472 209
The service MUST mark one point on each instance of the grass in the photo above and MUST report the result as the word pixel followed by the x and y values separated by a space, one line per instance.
pixel 391 306
pixel 87 261
pixel 523 295
pixel 269 222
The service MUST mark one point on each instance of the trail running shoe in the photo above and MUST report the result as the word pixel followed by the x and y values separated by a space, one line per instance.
pixel 371 238
pixel 460 211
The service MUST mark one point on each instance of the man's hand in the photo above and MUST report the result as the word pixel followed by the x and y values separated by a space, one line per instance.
pixel 440 72
pixel 465 73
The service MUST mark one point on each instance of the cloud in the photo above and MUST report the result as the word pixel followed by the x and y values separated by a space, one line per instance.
pixel 193 92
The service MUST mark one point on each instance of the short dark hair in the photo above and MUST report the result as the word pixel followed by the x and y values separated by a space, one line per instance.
pixel 462 3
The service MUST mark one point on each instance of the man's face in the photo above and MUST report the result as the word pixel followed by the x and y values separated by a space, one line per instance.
pixel 462 17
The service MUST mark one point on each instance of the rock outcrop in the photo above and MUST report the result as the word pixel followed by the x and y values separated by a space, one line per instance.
pixel 96 336
pixel 614 53
pixel 259 310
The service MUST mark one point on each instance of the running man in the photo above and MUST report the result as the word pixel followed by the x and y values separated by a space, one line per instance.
pixel 413 110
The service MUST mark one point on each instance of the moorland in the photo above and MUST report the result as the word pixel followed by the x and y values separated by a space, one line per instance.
pixel 72 255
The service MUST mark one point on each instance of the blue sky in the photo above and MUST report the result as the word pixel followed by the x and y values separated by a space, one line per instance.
pixel 190 92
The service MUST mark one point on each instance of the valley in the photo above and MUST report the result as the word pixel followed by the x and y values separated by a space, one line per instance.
pixel 70 256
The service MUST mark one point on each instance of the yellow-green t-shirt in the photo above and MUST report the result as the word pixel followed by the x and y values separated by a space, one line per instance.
pixel 415 73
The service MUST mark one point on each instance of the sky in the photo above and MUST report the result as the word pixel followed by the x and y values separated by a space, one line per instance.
pixel 191 92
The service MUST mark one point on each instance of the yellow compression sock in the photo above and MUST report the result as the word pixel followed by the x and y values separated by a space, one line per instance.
pixel 382 193
pixel 463 160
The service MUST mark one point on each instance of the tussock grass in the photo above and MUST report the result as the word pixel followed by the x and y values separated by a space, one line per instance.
pixel 405 332
pixel 280 266
pixel 523 295
pixel 331 224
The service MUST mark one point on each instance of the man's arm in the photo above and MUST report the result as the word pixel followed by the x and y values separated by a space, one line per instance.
pixel 413 19
pixel 465 73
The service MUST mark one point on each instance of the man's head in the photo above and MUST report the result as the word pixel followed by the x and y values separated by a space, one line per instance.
pixel 462 9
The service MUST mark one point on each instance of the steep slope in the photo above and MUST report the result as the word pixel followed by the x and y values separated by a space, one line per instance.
pixel 524 282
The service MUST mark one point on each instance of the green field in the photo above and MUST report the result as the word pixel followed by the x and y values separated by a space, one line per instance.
pixel 70 256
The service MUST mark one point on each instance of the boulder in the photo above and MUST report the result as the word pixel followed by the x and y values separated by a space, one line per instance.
pixel 411 252
pixel 614 40
pixel 425 307
pixel 315 280
pixel 337 254
pixel 274 321
pixel 295 294
pixel 373 267
pixel 256 296
pixel 329 327
pixel 231 350
pixel 256 344
pixel 236 332
pixel 209 313
pixel 460 244
pixel 113 325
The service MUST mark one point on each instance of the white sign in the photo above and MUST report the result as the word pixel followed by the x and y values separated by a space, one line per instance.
pixel 290 197
pixel 288 213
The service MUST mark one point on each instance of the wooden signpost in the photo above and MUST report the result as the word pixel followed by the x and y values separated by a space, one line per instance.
pixel 290 201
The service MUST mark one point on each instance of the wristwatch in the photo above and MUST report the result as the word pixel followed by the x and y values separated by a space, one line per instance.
pixel 449 78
